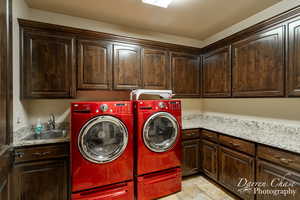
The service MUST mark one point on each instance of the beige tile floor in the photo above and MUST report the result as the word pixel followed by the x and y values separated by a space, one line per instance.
pixel 199 188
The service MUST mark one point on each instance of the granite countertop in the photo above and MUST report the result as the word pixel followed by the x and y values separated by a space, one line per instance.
pixel 21 143
pixel 19 137
pixel 276 134
pixel 281 135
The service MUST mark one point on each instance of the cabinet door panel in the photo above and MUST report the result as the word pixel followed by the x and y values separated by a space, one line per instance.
pixel 272 175
pixel 156 69
pixel 217 73
pixel 41 180
pixel 209 161
pixel 293 76
pixel 185 74
pixel 232 167
pixel 94 64
pixel 48 65
pixel 190 160
pixel 258 64
pixel 5 168
pixel 127 67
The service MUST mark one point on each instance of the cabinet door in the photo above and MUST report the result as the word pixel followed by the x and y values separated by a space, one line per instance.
pixel 45 180
pixel 5 168
pixel 232 167
pixel 293 76
pixel 127 67
pixel 217 73
pixel 258 64
pixel 47 65
pixel 156 69
pixel 185 74
pixel 190 157
pixel 94 64
pixel 272 175
pixel 209 159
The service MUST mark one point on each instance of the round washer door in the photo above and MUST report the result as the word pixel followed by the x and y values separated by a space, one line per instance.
pixel 160 132
pixel 103 139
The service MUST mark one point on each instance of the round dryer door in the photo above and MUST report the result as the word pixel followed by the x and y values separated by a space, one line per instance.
pixel 103 139
pixel 160 132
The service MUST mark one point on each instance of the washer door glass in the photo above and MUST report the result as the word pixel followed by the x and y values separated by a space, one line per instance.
pixel 103 139
pixel 160 132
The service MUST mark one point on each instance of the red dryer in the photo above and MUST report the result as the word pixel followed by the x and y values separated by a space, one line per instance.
pixel 102 150
pixel 158 149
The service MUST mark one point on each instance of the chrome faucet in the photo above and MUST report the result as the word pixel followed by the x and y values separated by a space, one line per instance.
pixel 51 122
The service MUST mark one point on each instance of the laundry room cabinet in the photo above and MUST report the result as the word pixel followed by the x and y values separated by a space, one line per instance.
pixel 186 74
pixel 216 73
pixel 62 62
pixel 94 60
pixel 190 152
pixel 47 64
pixel 156 69
pixel 293 81
pixel 40 172
pixel 258 64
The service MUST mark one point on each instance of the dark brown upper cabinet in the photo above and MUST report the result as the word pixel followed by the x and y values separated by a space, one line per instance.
pixel 156 69
pixel 94 60
pixel 127 66
pixel 185 74
pixel 258 64
pixel 216 73
pixel 293 82
pixel 47 64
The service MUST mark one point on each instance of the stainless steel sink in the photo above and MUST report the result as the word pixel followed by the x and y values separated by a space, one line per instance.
pixel 50 134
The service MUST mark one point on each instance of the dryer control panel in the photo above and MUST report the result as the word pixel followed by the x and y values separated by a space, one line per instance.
pixel 113 107
pixel 158 105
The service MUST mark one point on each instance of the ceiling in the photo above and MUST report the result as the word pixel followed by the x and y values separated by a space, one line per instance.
pixel 197 19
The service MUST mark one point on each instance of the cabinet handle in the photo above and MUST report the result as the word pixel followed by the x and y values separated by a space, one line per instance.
pixel 234 144
pixel 41 153
pixel 37 154
pixel 285 161
pixel 190 134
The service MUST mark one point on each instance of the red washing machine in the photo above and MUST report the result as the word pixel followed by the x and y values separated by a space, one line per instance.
pixel 102 150
pixel 158 150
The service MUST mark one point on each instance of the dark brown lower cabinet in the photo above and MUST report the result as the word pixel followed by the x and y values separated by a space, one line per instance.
pixel 276 178
pixel 234 167
pixel 5 166
pixel 4 189
pixel 209 158
pixel 45 180
pixel 190 154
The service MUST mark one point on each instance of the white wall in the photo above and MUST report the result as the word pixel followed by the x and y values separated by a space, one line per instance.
pixel 20 10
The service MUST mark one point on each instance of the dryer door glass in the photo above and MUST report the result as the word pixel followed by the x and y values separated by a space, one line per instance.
pixel 103 139
pixel 160 132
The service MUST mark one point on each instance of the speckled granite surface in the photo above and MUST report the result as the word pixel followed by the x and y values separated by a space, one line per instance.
pixel 281 135
pixel 19 135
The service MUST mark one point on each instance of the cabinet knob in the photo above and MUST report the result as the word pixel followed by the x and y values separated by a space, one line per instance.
pixel 19 154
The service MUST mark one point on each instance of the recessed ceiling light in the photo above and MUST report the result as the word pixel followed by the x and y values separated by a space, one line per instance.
pixel 159 3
